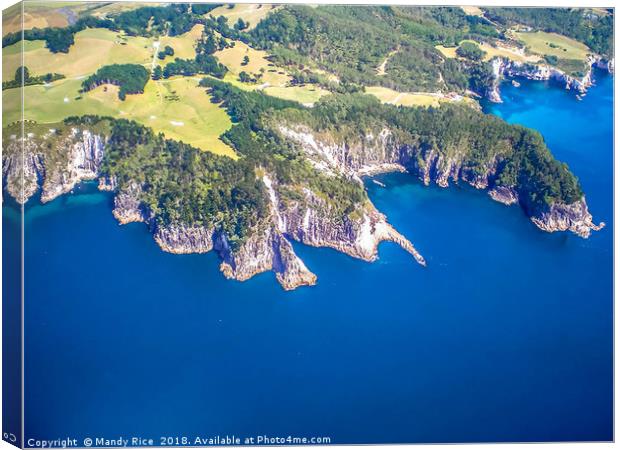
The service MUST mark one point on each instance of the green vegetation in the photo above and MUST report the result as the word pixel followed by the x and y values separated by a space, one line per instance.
pixel 182 184
pixel 130 78
pixel 551 59
pixel 188 67
pixel 240 24
pixel 523 160
pixel 470 50
pixel 329 36
pixel 544 43
pixel 588 26
pixel 23 78
pixel 203 8
pixel 57 39
pixel 167 51
pixel 294 52
pixel 172 20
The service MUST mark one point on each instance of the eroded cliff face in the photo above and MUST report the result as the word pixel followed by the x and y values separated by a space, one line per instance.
pixel 383 152
pixel 84 158
pixel 268 247
pixel 309 218
pixel 574 217
pixel 22 166
pixel 70 160
pixel 503 67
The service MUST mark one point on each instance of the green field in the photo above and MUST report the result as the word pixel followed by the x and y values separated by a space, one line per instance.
pixel 511 53
pixel 183 45
pixel 179 108
pixel 93 48
pixel 176 107
pixel 554 44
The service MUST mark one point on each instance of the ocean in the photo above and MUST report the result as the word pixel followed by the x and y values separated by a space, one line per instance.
pixel 505 336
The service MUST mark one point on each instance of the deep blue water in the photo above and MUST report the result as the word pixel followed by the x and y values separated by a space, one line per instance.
pixel 505 336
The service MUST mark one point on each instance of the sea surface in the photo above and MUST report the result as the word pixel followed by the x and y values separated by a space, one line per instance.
pixel 505 336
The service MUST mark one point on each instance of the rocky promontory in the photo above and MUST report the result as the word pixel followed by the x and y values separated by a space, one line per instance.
pixel 507 68
pixel 293 212
pixel 378 152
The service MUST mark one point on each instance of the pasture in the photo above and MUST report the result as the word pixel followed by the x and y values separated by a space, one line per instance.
pixel 93 48
pixel 554 44
pixel 514 54
pixel 177 107
pixel 232 58
pixel 183 45
pixel 274 80
pixel 307 94
pixel 250 13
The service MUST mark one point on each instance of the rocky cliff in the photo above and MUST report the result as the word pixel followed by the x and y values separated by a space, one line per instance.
pixel 28 164
pixel 22 166
pixel 308 217
pixel 381 152
pixel 504 67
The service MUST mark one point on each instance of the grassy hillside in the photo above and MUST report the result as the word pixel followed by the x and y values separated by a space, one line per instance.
pixel 176 107
pixel 111 48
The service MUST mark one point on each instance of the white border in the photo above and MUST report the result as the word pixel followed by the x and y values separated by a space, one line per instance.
pixel 564 3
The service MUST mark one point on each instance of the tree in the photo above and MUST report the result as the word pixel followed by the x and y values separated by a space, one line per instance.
pixel 244 77
pixel 18 74
pixel 240 25
pixel 471 51
pixel 130 78
pixel 157 73
pixel 551 59
pixel 246 60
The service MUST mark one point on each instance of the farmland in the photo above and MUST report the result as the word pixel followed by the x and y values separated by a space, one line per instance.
pixel 112 48
pixel 553 44
pixel 177 107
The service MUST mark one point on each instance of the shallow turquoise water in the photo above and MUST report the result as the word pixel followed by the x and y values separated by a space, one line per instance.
pixel 505 336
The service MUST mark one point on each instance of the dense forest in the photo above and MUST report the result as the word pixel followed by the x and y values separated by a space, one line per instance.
pixel 524 162
pixel 404 38
pixel 130 78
